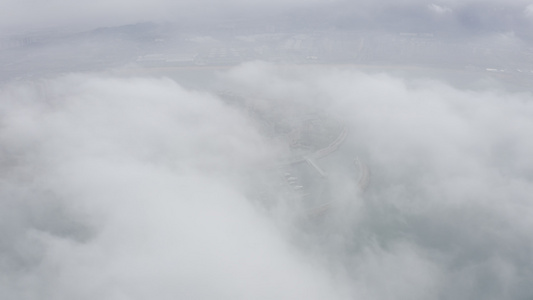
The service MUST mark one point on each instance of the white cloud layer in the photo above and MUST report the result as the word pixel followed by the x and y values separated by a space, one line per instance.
pixel 135 188
pixel 450 211
pixel 153 169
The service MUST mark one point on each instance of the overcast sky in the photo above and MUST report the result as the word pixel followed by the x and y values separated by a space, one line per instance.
pixel 448 16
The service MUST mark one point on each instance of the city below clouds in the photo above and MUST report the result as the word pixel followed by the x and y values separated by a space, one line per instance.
pixel 256 151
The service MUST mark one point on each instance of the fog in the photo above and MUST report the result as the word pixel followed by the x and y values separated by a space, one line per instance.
pixel 266 150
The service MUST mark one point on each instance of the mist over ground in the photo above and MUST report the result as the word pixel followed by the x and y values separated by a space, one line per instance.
pixel 266 150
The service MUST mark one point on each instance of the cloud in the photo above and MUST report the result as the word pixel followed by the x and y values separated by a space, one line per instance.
pixel 528 11
pixel 439 9
pixel 451 176
pixel 146 177
pixel 133 188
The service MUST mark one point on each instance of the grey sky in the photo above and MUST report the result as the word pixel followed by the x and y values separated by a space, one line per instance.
pixel 453 16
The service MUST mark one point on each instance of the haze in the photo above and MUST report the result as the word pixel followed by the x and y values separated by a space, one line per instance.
pixel 266 150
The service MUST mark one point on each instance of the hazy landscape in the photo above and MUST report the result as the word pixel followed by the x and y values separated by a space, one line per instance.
pixel 266 150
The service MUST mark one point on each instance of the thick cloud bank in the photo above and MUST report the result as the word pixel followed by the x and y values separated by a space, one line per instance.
pixel 448 215
pixel 128 189
pixel 136 188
